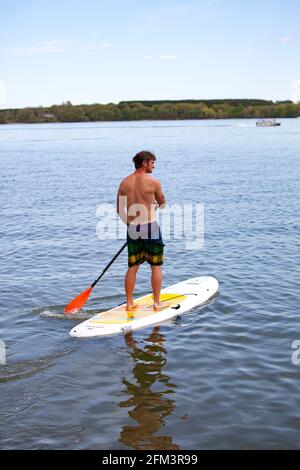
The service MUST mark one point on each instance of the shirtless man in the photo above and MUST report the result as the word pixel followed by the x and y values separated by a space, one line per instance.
pixel 138 197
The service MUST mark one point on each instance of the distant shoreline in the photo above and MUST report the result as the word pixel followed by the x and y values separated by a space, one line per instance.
pixel 127 111
pixel 137 120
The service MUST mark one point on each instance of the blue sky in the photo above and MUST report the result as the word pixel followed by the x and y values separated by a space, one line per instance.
pixel 111 50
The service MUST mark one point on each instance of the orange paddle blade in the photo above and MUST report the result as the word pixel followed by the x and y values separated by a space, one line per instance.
pixel 77 303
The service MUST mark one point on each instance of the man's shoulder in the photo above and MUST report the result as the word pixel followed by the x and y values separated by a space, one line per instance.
pixel 156 181
pixel 126 180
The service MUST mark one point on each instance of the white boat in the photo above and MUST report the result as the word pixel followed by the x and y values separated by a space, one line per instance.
pixel 267 123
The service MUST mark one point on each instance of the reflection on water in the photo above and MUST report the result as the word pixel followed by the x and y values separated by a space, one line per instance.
pixel 149 393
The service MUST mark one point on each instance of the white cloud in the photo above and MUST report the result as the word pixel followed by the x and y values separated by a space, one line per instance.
pixel 284 39
pixel 95 46
pixel 147 56
pixel 41 48
pixel 57 46
pixel 169 57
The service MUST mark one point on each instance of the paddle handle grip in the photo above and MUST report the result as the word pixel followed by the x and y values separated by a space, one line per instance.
pixel 109 264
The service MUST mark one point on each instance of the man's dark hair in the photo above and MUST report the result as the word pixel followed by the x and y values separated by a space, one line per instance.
pixel 141 157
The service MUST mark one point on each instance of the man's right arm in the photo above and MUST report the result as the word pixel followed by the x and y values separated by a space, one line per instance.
pixel 122 204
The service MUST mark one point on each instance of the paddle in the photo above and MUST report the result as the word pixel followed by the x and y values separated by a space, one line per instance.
pixel 79 301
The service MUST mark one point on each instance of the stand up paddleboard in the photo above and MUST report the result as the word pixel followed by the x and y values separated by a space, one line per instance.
pixel 181 297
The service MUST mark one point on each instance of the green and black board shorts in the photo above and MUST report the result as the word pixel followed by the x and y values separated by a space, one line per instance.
pixel 145 244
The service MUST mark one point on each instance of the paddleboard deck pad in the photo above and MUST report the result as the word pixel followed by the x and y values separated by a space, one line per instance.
pixel 179 298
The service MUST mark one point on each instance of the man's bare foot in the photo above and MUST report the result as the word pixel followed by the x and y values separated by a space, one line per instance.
pixel 160 306
pixel 132 306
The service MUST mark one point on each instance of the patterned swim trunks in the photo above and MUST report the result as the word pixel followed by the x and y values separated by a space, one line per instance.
pixel 145 244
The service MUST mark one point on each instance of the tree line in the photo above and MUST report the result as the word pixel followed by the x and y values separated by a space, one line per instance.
pixel 153 110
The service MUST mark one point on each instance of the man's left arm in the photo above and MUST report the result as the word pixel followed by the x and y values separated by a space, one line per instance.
pixel 159 196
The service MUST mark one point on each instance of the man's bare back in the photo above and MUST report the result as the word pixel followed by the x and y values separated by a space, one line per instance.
pixel 143 193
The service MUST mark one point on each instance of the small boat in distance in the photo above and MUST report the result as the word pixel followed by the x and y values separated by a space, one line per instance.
pixel 267 123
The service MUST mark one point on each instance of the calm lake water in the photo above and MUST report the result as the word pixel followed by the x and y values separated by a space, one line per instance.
pixel 220 377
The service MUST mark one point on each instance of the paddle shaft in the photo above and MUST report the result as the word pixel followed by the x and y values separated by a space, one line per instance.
pixel 109 264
